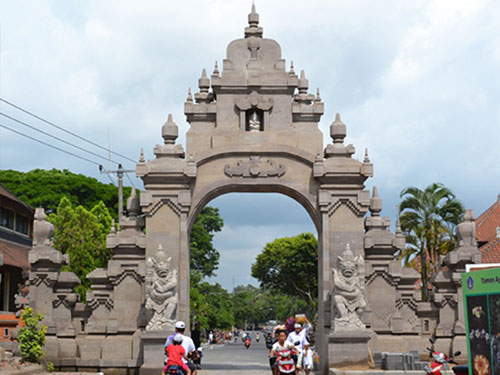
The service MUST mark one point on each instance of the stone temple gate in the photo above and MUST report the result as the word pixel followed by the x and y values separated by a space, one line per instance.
pixel 254 128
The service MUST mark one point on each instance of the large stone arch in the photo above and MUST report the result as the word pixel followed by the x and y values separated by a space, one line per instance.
pixel 254 128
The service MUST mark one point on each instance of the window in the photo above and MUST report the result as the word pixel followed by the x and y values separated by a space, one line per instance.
pixel 6 218
pixel 22 224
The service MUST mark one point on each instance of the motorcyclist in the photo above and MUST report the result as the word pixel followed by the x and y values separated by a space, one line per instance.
pixel 281 344
pixel 187 344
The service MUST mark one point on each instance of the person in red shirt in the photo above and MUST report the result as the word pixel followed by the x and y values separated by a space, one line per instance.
pixel 175 354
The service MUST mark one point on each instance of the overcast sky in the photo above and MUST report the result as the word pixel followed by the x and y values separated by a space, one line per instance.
pixel 416 82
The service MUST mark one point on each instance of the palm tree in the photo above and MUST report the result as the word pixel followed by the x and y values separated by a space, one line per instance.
pixel 428 219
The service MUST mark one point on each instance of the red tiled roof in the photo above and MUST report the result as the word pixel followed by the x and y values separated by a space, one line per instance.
pixel 14 254
pixel 486 233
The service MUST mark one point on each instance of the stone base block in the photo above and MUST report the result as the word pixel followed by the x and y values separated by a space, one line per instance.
pixel 153 353
pixel 348 347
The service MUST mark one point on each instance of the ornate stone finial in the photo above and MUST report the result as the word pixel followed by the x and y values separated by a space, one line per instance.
pixel 170 131
pixel 375 203
pixel 318 97
pixel 366 159
pixel 112 230
pixel 42 229
pixel 253 28
pixel 398 228
pixel 303 83
pixel 466 230
pixel 292 71
pixel 216 69
pixel 204 82
pixel 141 157
pixel 338 130
pixel 189 98
pixel 133 207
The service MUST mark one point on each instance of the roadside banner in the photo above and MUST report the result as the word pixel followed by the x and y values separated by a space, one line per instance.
pixel 482 320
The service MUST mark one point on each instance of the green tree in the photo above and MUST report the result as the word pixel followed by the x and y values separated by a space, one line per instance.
pixel 204 256
pixel 290 265
pixel 82 234
pixel 45 188
pixel 210 304
pixel 32 336
pixel 428 218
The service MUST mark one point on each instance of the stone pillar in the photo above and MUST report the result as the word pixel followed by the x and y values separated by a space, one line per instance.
pixel 45 294
pixel 450 330
pixel 343 202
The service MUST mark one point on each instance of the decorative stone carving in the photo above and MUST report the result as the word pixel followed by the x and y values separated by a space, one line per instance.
pixel 255 167
pixel 348 297
pixel 161 298
pixel 254 122
pixel 42 229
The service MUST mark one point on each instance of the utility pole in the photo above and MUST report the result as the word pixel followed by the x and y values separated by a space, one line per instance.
pixel 119 173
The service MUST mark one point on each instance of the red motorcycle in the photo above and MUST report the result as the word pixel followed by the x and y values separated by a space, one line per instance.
pixel 174 370
pixel 247 343
pixel 286 364
pixel 439 361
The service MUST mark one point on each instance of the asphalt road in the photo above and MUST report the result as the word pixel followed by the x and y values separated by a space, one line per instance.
pixel 234 359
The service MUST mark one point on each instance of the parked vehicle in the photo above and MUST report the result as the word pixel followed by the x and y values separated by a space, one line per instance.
pixel 439 361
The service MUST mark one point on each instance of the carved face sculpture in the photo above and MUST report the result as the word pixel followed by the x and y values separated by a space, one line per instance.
pixel 348 264
pixel 348 268
pixel 162 264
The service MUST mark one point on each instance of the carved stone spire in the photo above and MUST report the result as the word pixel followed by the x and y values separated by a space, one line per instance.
pixel 216 69
pixel 133 207
pixel 170 131
pixel 303 83
pixel 204 82
pixel 253 28
pixel 318 97
pixel 366 159
pixel 141 157
pixel 189 98
pixel 292 71
pixel 338 130
pixel 375 203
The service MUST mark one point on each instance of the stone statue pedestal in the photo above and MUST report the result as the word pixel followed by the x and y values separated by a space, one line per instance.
pixel 348 347
pixel 153 353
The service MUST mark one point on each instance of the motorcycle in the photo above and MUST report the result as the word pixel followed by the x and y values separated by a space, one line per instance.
pixel 286 364
pixel 257 337
pixel 174 370
pixel 247 343
pixel 439 361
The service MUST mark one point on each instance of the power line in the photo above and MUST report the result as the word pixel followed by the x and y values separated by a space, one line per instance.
pixel 64 130
pixel 130 180
pixel 49 145
pixel 57 138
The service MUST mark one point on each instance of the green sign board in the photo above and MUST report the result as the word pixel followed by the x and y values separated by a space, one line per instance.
pixel 482 320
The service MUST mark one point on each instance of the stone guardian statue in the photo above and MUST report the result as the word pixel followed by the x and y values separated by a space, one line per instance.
pixel 161 297
pixel 348 300
pixel 254 122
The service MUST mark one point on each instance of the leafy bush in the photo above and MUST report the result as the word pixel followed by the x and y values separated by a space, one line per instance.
pixel 32 336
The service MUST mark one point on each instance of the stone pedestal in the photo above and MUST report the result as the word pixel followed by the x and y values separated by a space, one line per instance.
pixel 348 347
pixel 153 353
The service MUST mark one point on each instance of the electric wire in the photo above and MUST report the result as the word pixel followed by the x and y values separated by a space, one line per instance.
pixel 49 145
pixel 57 138
pixel 130 179
pixel 64 130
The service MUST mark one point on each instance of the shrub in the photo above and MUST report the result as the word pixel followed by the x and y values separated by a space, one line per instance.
pixel 32 336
